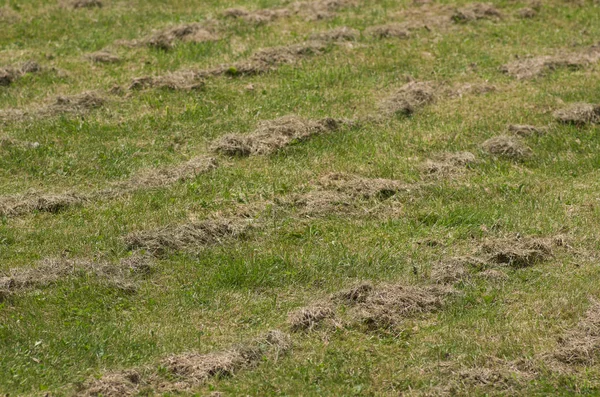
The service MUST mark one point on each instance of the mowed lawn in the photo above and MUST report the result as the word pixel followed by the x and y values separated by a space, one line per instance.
pixel 268 197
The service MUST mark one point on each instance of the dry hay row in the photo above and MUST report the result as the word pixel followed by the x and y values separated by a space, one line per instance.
pixel 9 74
pixel 51 270
pixel 183 372
pixel 22 204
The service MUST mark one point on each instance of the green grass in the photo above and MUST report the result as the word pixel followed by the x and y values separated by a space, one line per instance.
pixel 57 336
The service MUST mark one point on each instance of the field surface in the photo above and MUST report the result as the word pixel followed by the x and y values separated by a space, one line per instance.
pixel 299 198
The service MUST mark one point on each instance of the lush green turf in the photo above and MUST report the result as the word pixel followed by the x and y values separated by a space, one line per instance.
pixel 57 336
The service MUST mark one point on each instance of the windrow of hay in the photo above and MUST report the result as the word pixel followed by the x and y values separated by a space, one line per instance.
pixel 579 114
pixel 366 188
pixel 167 38
pixel 9 74
pixel 518 252
pixel 181 373
pixel 103 57
pixel 409 98
pixel 76 104
pixel 525 130
pixel 16 205
pixel 510 147
pixel 191 236
pixel 476 11
pixel 343 33
pixel 86 4
pixel 273 135
pixel 377 307
pixel 527 68
pixel 448 164
pixel 51 270
pixel 181 80
pixel 581 346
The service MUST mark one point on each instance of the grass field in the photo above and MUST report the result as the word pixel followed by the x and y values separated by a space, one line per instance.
pixel 266 197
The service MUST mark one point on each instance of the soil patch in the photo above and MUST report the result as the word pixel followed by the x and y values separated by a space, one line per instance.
pixel 525 130
pixel 103 57
pixel 395 30
pixel 273 135
pixel 579 114
pixel 507 146
pixel 581 346
pixel 409 98
pixel 528 68
pixel 365 188
pixel 188 237
pixel 446 164
pixel 338 34
pixel 476 11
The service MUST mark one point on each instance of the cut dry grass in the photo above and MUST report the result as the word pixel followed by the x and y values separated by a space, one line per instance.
pixel 103 57
pixel 409 98
pixel 476 11
pixel 308 318
pixel 518 252
pixel 343 33
pixel 10 74
pixel 581 346
pixel 365 188
pixel 189 236
pixel 448 164
pixel 509 147
pixel 273 135
pixel 579 114
pixel 17 205
pixel 395 30
pixel 525 130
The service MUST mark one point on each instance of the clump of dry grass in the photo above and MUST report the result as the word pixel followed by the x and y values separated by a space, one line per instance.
pixel 450 271
pixel 409 98
pixel 319 9
pixel 258 16
pixel 581 346
pixel 308 318
pixel 318 203
pixel 343 33
pixel 518 252
pixel 273 135
pixel 103 57
pixel 528 68
pixel 9 74
pixel 579 114
pixel 461 89
pixel 16 205
pixel 476 11
pixel 447 164
pixel 527 12
pixel 354 295
pixel 387 31
pixel 86 4
pixel 507 146
pixel 189 236
pixel 166 39
pixel 113 384
pixel 85 101
pixel 525 130
pixel 182 80
pixel 493 275
pixel 365 188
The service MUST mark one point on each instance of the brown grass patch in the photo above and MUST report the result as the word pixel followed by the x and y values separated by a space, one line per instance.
pixel 579 114
pixel 9 74
pixel 182 80
pixel 189 236
pixel 388 305
pixel 581 346
pixel 86 4
pixel 10 142
pixel 85 101
pixel 343 33
pixel 527 13
pixel 506 146
pixel 493 275
pixel 528 68
pixel 476 11
pixel 525 130
pixel 258 16
pixel 17 205
pixel 308 318
pixel 320 9
pixel 273 135
pixel 462 89
pixel 319 203
pixel 447 164
pixel 450 271
pixel 365 188
pixel 103 57
pixel 409 98
pixel 518 252
pixel 191 32
pixel 287 54
pixel 113 384
pixel 395 30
